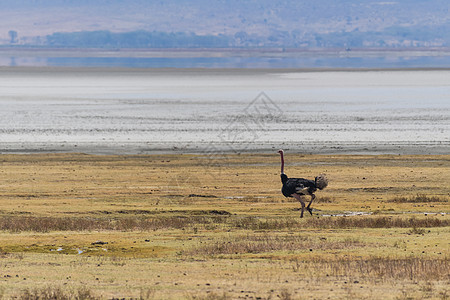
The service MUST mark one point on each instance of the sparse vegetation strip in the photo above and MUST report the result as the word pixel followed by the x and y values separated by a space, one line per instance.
pixel 267 243
pixel 419 198
pixel 213 221
pixel 409 268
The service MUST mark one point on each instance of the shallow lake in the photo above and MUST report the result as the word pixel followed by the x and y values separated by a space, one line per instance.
pixel 223 110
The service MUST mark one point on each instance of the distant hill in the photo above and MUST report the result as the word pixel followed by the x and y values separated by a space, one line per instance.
pixel 226 23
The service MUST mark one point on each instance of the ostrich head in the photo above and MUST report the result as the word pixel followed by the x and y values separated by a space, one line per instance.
pixel 281 151
pixel 321 181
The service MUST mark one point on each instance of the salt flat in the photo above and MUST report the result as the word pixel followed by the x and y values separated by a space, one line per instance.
pixel 134 111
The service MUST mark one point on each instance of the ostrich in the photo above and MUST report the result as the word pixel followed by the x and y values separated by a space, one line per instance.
pixel 297 187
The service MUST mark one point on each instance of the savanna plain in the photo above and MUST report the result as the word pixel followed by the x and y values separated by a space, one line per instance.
pixel 77 226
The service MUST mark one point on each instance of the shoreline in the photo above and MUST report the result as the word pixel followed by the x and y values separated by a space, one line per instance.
pixel 216 150
pixel 212 70
pixel 299 60
pixel 221 52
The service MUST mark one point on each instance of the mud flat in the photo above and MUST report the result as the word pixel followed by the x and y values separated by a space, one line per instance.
pixel 144 111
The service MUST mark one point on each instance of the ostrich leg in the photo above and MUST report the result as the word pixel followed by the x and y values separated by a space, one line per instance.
pixel 308 208
pixel 299 198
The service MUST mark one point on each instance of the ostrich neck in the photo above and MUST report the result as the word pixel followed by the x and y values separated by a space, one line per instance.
pixel 282 163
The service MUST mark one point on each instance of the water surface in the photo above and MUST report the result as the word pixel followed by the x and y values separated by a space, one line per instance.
pixel 146 111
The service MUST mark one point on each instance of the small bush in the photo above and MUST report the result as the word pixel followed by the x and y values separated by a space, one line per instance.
pixel 325 200
pixel 416 230
pixel 209 296
pixel 56 293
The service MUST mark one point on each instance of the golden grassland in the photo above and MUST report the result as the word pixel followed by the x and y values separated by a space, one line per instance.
pixel 75 226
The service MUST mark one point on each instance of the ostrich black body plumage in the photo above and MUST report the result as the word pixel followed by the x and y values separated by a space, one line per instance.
pixel 299 186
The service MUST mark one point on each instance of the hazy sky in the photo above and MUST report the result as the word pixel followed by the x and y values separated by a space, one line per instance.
pixel 41 17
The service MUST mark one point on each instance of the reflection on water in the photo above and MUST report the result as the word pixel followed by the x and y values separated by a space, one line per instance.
pixel 300 61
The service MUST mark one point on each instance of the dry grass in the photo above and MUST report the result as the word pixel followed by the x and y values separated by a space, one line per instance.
pixel 325 200
pixel 173 227
pixel 376 268
pixel 270 243
pixel 210 222
pixel 419 198
pixel 209 296
pixel 377 222
pixel 253 223
pixel 416 230
pixel 48 224
pixel 56 293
